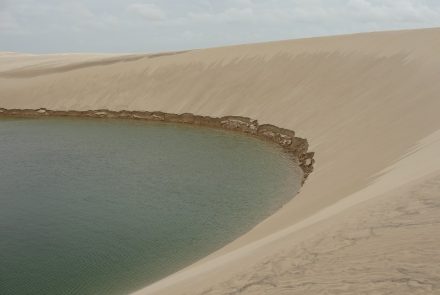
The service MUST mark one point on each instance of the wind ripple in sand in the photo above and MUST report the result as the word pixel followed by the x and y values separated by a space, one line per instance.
pixel 363 101
pixel 388 246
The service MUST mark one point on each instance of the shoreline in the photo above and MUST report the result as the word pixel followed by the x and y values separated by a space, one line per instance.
pixel 367 104
pixel 150 182
pixel 294 146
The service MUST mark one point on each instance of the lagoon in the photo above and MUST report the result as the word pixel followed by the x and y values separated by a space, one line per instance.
pixel 90 206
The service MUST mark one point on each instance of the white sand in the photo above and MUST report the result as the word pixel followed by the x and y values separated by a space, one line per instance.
pixel 366 221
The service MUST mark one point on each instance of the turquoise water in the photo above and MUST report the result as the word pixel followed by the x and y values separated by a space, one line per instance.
pixel 109 206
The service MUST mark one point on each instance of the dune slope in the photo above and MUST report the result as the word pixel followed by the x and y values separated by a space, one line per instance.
pixel 369 106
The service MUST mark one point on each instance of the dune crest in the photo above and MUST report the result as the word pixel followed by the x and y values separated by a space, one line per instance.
pixel 368 105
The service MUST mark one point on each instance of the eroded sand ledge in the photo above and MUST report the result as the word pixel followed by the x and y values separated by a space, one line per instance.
pixel 366 221
pixel 295 146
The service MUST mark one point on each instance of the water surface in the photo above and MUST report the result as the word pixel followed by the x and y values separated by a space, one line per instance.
pixel 109 206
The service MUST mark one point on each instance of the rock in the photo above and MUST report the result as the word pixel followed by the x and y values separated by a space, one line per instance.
pixel 123 114
pixel 172 118
pixel 140 115
pixel 240 123
pixel 207 121
pixel 299 146
pixel 100 114
pixel 187 118
pixel 281 136
pixel 157 116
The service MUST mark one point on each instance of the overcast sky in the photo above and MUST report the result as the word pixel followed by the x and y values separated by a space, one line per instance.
pixel 163 25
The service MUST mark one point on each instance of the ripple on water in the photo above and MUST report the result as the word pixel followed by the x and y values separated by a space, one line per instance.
pixel 106 206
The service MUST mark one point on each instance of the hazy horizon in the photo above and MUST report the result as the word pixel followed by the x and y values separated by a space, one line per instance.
pixel 49 26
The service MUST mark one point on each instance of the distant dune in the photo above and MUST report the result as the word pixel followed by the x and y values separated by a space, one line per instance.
pixel 367 221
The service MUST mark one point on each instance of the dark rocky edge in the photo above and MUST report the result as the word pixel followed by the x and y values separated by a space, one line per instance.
pixel 295 146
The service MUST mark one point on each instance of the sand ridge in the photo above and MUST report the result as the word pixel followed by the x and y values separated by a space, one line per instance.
pixel 367 103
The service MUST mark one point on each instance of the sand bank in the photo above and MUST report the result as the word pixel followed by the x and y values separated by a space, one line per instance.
pixel 368 105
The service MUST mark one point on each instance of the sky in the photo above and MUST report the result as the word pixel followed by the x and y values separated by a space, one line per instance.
pixel 48 26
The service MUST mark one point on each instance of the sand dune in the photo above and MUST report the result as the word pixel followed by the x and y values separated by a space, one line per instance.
pixel 366 221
